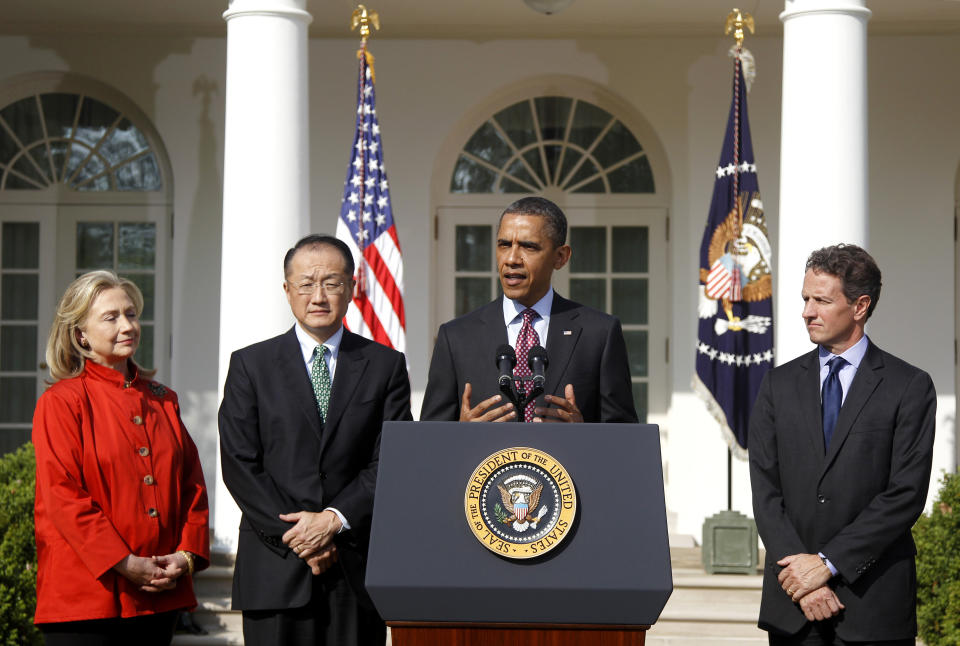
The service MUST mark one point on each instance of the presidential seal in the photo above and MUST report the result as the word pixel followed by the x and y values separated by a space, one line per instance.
pixel 520 503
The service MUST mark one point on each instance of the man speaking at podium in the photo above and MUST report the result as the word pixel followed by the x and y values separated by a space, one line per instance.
pixel 587 378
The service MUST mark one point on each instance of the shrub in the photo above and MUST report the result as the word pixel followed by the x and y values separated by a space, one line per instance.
pixel 938 567
pixel 18 549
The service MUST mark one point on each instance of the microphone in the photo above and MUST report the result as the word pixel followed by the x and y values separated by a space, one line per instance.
pixel 538 361
pixel 506 360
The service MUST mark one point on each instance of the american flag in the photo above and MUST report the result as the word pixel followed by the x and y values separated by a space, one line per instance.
pixel 366 225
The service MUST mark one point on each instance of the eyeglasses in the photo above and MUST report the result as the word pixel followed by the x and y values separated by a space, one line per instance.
pixel 329 288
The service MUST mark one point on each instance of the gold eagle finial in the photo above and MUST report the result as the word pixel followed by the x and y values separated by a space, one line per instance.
pixel 363 19
pixel 735 22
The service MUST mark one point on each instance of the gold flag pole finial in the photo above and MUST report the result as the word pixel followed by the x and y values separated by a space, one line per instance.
pixel 363 19
pixel 735 22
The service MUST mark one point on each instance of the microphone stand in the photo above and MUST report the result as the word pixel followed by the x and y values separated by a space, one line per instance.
pixel 508 386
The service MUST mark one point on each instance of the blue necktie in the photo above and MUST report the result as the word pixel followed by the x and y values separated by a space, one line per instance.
pixel 832 397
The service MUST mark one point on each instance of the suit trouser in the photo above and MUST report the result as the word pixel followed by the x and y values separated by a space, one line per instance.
pixel 334 617
pixel 822 633
pixel 144 630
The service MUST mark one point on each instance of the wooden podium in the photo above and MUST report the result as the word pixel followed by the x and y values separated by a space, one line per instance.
pixel 435 584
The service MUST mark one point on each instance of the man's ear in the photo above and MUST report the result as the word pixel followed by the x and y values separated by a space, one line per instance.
pixel 860 307
pixel 563 256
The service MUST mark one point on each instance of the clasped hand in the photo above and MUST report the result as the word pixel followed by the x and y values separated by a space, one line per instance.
pixel 311 537
pixel 564 408
pixel 153 573
pixel 804 578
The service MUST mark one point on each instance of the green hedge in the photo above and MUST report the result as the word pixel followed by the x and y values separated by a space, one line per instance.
pixel 18 549
pixel 938 567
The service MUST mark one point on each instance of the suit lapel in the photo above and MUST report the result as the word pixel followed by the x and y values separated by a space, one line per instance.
pixel 809 392
pixel 559 343
pixel 293 371
pixel 350 367
pixel 492 337
pixel 864 384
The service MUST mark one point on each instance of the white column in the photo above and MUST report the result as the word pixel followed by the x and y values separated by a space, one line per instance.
pixel 266 194
pixel 823 149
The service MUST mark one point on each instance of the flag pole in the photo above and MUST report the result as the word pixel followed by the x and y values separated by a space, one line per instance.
pixel 736 20
pixel 363 19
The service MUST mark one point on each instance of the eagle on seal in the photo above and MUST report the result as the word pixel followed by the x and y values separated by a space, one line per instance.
pixel 520 501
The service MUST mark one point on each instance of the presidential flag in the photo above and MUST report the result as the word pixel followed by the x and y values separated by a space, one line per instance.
pixel 735 335
pixel 366 224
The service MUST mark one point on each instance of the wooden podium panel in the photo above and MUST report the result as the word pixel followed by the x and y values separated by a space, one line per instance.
pixel 410 634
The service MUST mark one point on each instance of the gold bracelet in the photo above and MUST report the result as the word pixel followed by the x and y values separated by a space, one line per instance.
pixel 187 555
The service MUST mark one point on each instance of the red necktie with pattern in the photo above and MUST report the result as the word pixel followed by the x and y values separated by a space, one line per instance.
pixel 526 340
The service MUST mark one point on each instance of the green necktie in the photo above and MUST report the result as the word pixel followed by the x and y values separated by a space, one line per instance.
pixel 320 378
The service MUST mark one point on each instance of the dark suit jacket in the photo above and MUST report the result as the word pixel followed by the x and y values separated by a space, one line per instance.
pixel 276 457
pixel 592 357
pixel 857 503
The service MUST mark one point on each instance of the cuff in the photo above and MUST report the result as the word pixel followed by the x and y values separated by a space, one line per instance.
pixel 826 561
pixel 343 519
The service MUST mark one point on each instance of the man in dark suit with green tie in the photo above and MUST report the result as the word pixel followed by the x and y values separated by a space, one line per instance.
pixel 841 445
pixel 300 442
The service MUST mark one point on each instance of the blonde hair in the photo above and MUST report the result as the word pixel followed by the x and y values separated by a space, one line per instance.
pixel 65 356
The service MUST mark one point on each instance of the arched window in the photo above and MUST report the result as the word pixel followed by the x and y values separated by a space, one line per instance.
pixel 84 184
pixel 74 140
pixel 552 141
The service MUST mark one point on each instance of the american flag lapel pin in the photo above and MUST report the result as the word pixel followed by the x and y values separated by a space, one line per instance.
pixel 567 332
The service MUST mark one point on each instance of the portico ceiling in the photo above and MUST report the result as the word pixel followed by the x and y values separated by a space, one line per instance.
pixel 475 19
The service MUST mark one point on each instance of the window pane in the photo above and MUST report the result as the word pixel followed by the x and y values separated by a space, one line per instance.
pixel 142 174
pixel 92 168
pixel 637 352
pixel 14 182
pixel 553 113
pixel 41 155
pixel 487 144
pixel 640 400
pixel 518 171
pixel 474 250
pixel 19 299
pixel 18 345
pixel 631 249
pixel 630 300
pixel 589 246
pixel 144 355
pixel 509 186
pixel 59 111
pixel 18 395
pixel 124 142
pixel 78 155
pixel 619 143
pixel 533 158
pixel 570 159
pixel 58 150
pixel 587 169
pixel 588 122
pixel 591 292
pixel 471 177
pixel 21 245
pixel 635 177
pixel 95 118
pixel 517 122
pixel 8 147
pixel 101 183
pixel 24 121
pixel 136 245
pixel 94 245
pixel 26 168
pixel 596 186
pixel 146 284
pixel 552 153
pixel 12 439
pixel 471 294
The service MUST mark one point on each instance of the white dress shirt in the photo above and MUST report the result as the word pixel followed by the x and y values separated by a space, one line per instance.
pixel 513 318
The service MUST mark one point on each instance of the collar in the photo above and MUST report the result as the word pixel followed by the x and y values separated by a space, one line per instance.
pixel 308 343
pixel 115 377
pixel 512 309
pixel 853 355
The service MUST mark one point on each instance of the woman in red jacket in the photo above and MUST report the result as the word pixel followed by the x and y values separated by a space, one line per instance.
pixel 121 508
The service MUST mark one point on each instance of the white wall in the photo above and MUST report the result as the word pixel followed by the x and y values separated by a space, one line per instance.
pixel 680 86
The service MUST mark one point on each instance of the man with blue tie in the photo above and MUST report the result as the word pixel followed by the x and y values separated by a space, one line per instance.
pixel 841 445
pixel 300 447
